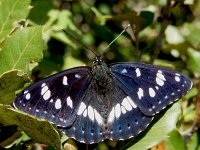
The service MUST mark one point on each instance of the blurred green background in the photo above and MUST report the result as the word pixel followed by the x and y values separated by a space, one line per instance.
pixel 164 33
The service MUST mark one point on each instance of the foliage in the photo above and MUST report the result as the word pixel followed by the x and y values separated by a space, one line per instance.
pixel 32 44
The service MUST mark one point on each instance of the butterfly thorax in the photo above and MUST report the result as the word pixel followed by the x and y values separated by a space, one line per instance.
pixel 100 71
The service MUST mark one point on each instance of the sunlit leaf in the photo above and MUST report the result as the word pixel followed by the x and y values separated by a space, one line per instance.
pixel 175 141
pixel 9 83
pixel 10 12
pixel 159 131
pixel 39 130
pixel 24 46
pixel 193 143
pixel 193 62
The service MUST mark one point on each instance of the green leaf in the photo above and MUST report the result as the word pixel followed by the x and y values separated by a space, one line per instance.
pixel 193 62
pixel 175 141
pixel 40 8
pixel 159 131
pixel 57 21
pixel 23 47
pixel 100 18
pixel 189 113
pixel 193 36
pixel 173 35
pixel 10 12
pixel 9 83
pixel 39 130
pixel 193 143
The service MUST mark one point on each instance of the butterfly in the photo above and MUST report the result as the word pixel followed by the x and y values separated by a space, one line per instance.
pixel 116 101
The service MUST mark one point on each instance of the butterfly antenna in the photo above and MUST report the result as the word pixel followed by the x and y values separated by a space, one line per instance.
pixel 116 38
pixel 77 40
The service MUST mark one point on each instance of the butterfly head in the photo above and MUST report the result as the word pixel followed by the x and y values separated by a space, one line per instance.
pixel 98 60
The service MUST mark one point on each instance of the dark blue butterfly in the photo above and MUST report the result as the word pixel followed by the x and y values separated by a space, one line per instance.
pixel 91 104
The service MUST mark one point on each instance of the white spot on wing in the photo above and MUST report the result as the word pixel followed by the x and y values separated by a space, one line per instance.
pixel 117 110
pixel 85 113
pixel 138 73
pixel 25 92
pixel 91 112
pixel 58 104
pixel 69 102
pixel 65 80
pixel 131 102
pixel 81 108
pixel 177 78
pixel 123 110
pixel 126 104
pixel 124 71
pixel 47 95
pixel 44 89
pixel 98 117
pixel 160 75
pixel 28 96
pixel 111 116
pixel 51 101
pixel 152 92
pixel 159 81
pixel 140 93
pixel 77 76
pixel 43 84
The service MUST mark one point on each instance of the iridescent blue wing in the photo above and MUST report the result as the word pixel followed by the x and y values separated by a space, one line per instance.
pixel 152 88
pixel 57 97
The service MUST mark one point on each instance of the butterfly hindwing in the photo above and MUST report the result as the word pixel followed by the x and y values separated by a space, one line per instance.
pixel 57 97
pixel 107 113
pixel 151 87
pixel 125 119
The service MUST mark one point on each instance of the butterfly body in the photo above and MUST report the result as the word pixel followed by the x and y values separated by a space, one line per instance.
pixel 116 101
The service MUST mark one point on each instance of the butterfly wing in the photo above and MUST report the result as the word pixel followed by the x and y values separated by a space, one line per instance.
pixel 106 112
pixel 151 87
pixel 57 97
pixel 119 107
pixel 128 120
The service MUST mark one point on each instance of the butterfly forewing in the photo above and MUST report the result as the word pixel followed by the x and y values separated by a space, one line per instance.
pixel 57 97
pixel 151 87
